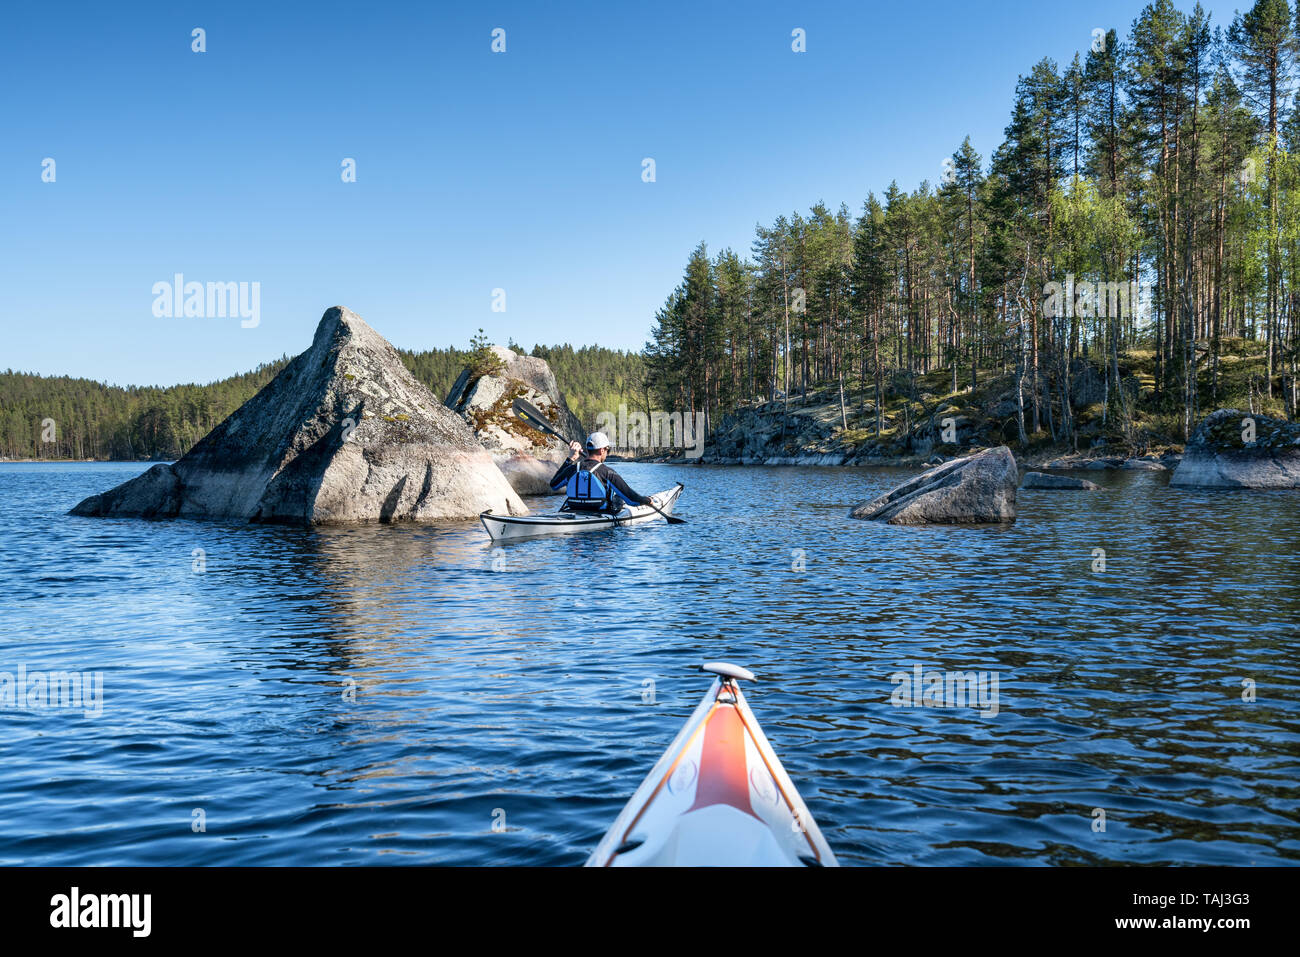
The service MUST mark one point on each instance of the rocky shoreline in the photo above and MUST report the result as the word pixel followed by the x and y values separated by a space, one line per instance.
pixel 1229 449
pixel 8 461
pixel 812 431
pixel 1040 460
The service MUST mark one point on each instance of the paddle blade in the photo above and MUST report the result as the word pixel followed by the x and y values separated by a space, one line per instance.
pixel 535 417
pixel 671 519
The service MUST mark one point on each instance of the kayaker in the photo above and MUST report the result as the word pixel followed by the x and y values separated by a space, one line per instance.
pixel 591 485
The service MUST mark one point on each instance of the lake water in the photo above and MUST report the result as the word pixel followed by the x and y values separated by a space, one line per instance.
pixel 409 694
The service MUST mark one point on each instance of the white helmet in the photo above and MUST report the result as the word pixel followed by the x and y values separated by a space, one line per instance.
pixel 597 441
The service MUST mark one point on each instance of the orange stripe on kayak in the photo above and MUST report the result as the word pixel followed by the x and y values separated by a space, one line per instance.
pixel 724 773
pixel 789 803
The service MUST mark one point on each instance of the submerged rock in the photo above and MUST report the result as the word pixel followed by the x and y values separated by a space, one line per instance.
pixel 829 458
pixel 1219 455
pixel 484 402
pixel 1067 462
pixel 343 434
pixel 1044 480
pixel 978 489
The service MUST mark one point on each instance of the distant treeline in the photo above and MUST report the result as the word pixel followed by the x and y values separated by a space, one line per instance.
pixel 59 418
pixel 1166 161
pixel 64 418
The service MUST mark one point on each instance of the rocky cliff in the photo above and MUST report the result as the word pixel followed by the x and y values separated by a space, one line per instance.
pixel 810 431
pixel 527 457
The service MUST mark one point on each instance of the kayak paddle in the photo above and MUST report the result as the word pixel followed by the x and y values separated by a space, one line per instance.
pixel 537 419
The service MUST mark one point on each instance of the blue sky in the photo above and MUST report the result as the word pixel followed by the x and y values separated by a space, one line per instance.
pixel 475 171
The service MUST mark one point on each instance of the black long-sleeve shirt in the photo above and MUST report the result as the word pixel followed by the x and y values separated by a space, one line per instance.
pixel 606 475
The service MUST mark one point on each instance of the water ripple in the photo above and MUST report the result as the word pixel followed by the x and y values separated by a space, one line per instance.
pixel 399 695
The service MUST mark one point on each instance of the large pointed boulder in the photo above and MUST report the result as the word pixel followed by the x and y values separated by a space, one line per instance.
pixel 343 434
pixel 1235 449
pixel 527 457
pixel 978 489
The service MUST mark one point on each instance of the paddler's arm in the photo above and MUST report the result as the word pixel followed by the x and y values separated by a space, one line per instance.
pixel 561 478
pixel 624 490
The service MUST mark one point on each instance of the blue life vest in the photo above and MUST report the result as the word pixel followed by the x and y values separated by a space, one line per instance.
pixel 586 492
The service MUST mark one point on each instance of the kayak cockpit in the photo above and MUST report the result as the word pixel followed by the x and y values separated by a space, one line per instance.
pixel 501 527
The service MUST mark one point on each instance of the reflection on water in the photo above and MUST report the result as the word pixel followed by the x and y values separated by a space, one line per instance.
pixel 387 694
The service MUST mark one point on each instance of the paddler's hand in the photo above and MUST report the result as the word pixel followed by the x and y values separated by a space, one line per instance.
pixel 577 451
